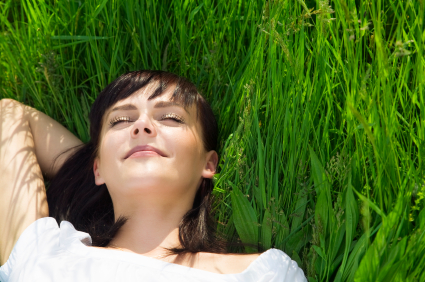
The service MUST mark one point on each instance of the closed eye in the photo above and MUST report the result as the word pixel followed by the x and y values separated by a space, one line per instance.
pixel 173 117
pixel 117 120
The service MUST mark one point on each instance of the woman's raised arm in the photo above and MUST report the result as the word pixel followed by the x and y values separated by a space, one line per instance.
pixel 51 139
pixel 30 141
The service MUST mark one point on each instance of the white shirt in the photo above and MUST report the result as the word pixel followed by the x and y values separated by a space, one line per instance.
pixel 47 252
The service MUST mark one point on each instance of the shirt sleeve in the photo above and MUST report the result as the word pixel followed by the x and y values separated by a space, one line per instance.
pixel 33 233
pixel 289 271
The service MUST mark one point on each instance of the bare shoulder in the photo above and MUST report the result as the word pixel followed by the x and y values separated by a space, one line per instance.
pixel 226 263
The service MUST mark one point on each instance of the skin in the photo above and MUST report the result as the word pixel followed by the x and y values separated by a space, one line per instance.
pixel 29 143
pixel 147 187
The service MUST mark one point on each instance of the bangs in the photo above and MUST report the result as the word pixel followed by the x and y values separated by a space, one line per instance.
pixel 185 93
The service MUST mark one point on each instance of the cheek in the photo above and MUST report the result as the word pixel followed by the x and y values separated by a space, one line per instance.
pixel 187 147
pixel 110 144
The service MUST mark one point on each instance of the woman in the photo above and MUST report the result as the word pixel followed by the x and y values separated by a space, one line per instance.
pixel 140 187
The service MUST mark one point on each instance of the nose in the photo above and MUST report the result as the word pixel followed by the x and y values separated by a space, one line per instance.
pixel 143 126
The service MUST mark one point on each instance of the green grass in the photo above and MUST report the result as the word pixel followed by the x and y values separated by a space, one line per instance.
pixel 321 109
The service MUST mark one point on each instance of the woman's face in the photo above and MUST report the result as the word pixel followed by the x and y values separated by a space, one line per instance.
pixel 152 148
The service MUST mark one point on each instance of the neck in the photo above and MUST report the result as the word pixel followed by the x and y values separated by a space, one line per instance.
pixel 150 228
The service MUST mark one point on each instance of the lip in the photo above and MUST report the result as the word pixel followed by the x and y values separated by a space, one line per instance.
pixel 144 148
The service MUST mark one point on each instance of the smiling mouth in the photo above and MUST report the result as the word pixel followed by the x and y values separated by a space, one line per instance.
pixel 146 150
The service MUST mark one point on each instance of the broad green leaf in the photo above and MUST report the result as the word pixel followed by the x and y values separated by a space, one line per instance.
pixel 298 213
pixel 335 247
pixel 244 218
pixel 266 230
pixel 353 261
pixel 351 220
pixel 323 206
pixel 322 213
pixel 194 12
pixel 318 173
pixel 319 251
pixel 351 215
pixel 371 204
pixel 282 229
pixel 261 168
pixel 370 265
pixel 296 241
pixel 99 8
pixel 296 257
pixel 389 269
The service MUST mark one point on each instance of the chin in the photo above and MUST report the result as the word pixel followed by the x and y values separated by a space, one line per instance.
pixel 147 183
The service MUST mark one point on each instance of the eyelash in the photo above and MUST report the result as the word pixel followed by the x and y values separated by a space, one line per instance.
pixel 117 120
pixel 174 117
pixel 171 116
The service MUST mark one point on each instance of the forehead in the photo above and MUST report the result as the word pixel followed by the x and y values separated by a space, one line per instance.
pixel 147 93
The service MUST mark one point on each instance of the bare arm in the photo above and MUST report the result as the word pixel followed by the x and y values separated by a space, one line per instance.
pixel 51 139
pixel 29 143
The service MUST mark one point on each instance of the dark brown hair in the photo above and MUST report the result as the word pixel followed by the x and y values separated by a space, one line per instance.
pixel 74 196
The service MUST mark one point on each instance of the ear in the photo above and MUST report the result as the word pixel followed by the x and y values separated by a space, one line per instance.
pixel 97 178
pixel 211 164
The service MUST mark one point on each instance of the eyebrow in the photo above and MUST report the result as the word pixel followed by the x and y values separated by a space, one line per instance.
pixel 159 104
pixel 126 107
pixel 165 104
